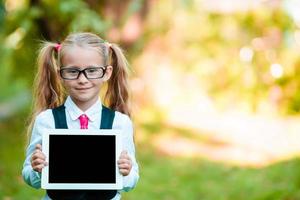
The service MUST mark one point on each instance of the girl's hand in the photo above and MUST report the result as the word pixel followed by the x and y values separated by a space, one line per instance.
pixel 38 159
pixel 124 163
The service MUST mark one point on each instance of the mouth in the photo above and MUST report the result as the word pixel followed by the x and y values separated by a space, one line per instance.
pixel 83 89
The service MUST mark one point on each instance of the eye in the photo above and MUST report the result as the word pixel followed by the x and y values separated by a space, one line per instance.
pixel 72 71
pixel 91 70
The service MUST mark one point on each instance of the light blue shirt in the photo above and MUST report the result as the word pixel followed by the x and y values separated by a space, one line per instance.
pixel 45 120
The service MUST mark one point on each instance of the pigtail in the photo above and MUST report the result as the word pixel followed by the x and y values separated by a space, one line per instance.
pixel 47 88
pixel 117 94
pixel 48 91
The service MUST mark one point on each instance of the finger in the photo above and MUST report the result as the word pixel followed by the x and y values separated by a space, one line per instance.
pixel 38 155
pixel 124 166
pixel 37 151
pixel 38 146
pixel 38 168
pixel 121 161
pixel 38 161
pixel 124 172
pixel 124 156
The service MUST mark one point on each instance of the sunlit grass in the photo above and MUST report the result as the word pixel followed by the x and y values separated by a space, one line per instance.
pixel 161 176
pixel 12 153
pixel 164 177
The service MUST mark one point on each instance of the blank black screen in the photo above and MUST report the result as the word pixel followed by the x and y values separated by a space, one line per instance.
pixel 82 159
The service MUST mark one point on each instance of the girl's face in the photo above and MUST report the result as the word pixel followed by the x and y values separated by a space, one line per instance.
pixel 84 92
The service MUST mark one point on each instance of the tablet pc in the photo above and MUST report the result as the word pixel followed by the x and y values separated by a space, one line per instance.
pixel 81 159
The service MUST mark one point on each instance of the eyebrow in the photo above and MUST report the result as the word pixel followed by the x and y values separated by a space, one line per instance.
pixel 76 67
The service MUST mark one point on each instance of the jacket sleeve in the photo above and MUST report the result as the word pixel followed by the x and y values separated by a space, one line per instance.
pixel 129 181
pixel 42 121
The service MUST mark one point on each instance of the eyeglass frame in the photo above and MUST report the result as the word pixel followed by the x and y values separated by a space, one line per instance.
pixel 104 68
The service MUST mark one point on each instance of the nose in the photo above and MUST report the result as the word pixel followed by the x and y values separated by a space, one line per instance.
pixel 82 78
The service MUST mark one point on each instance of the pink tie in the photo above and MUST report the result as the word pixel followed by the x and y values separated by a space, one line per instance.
pixel 84 120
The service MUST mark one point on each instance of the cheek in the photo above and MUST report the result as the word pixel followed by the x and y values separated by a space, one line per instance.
pixel 67 85
pixel 98 83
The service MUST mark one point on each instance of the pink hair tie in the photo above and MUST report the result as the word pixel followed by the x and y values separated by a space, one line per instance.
pixel 57 47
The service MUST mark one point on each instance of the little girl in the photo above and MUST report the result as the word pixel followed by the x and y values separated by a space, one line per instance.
pixel 79 67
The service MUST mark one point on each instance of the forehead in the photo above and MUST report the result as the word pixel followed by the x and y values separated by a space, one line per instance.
pixel 81 57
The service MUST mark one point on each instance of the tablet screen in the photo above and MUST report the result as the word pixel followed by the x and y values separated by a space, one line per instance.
pixel 82 159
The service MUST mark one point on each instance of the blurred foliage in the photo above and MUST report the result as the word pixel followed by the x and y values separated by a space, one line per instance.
pixel 210 45
pixel 26 23
pixel 234 55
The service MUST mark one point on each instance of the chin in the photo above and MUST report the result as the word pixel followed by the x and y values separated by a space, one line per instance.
pixel 86 98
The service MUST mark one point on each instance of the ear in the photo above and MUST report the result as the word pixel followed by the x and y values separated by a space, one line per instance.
pixel 108 73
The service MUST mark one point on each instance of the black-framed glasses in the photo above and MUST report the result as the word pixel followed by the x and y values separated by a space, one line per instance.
pixel 71 73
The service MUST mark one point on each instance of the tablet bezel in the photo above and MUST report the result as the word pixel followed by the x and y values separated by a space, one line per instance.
pixel 81 186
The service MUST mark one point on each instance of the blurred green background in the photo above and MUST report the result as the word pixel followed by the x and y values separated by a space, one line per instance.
pixel 215 90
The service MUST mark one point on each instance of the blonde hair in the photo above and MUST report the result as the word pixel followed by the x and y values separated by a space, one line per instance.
pixel 48 89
